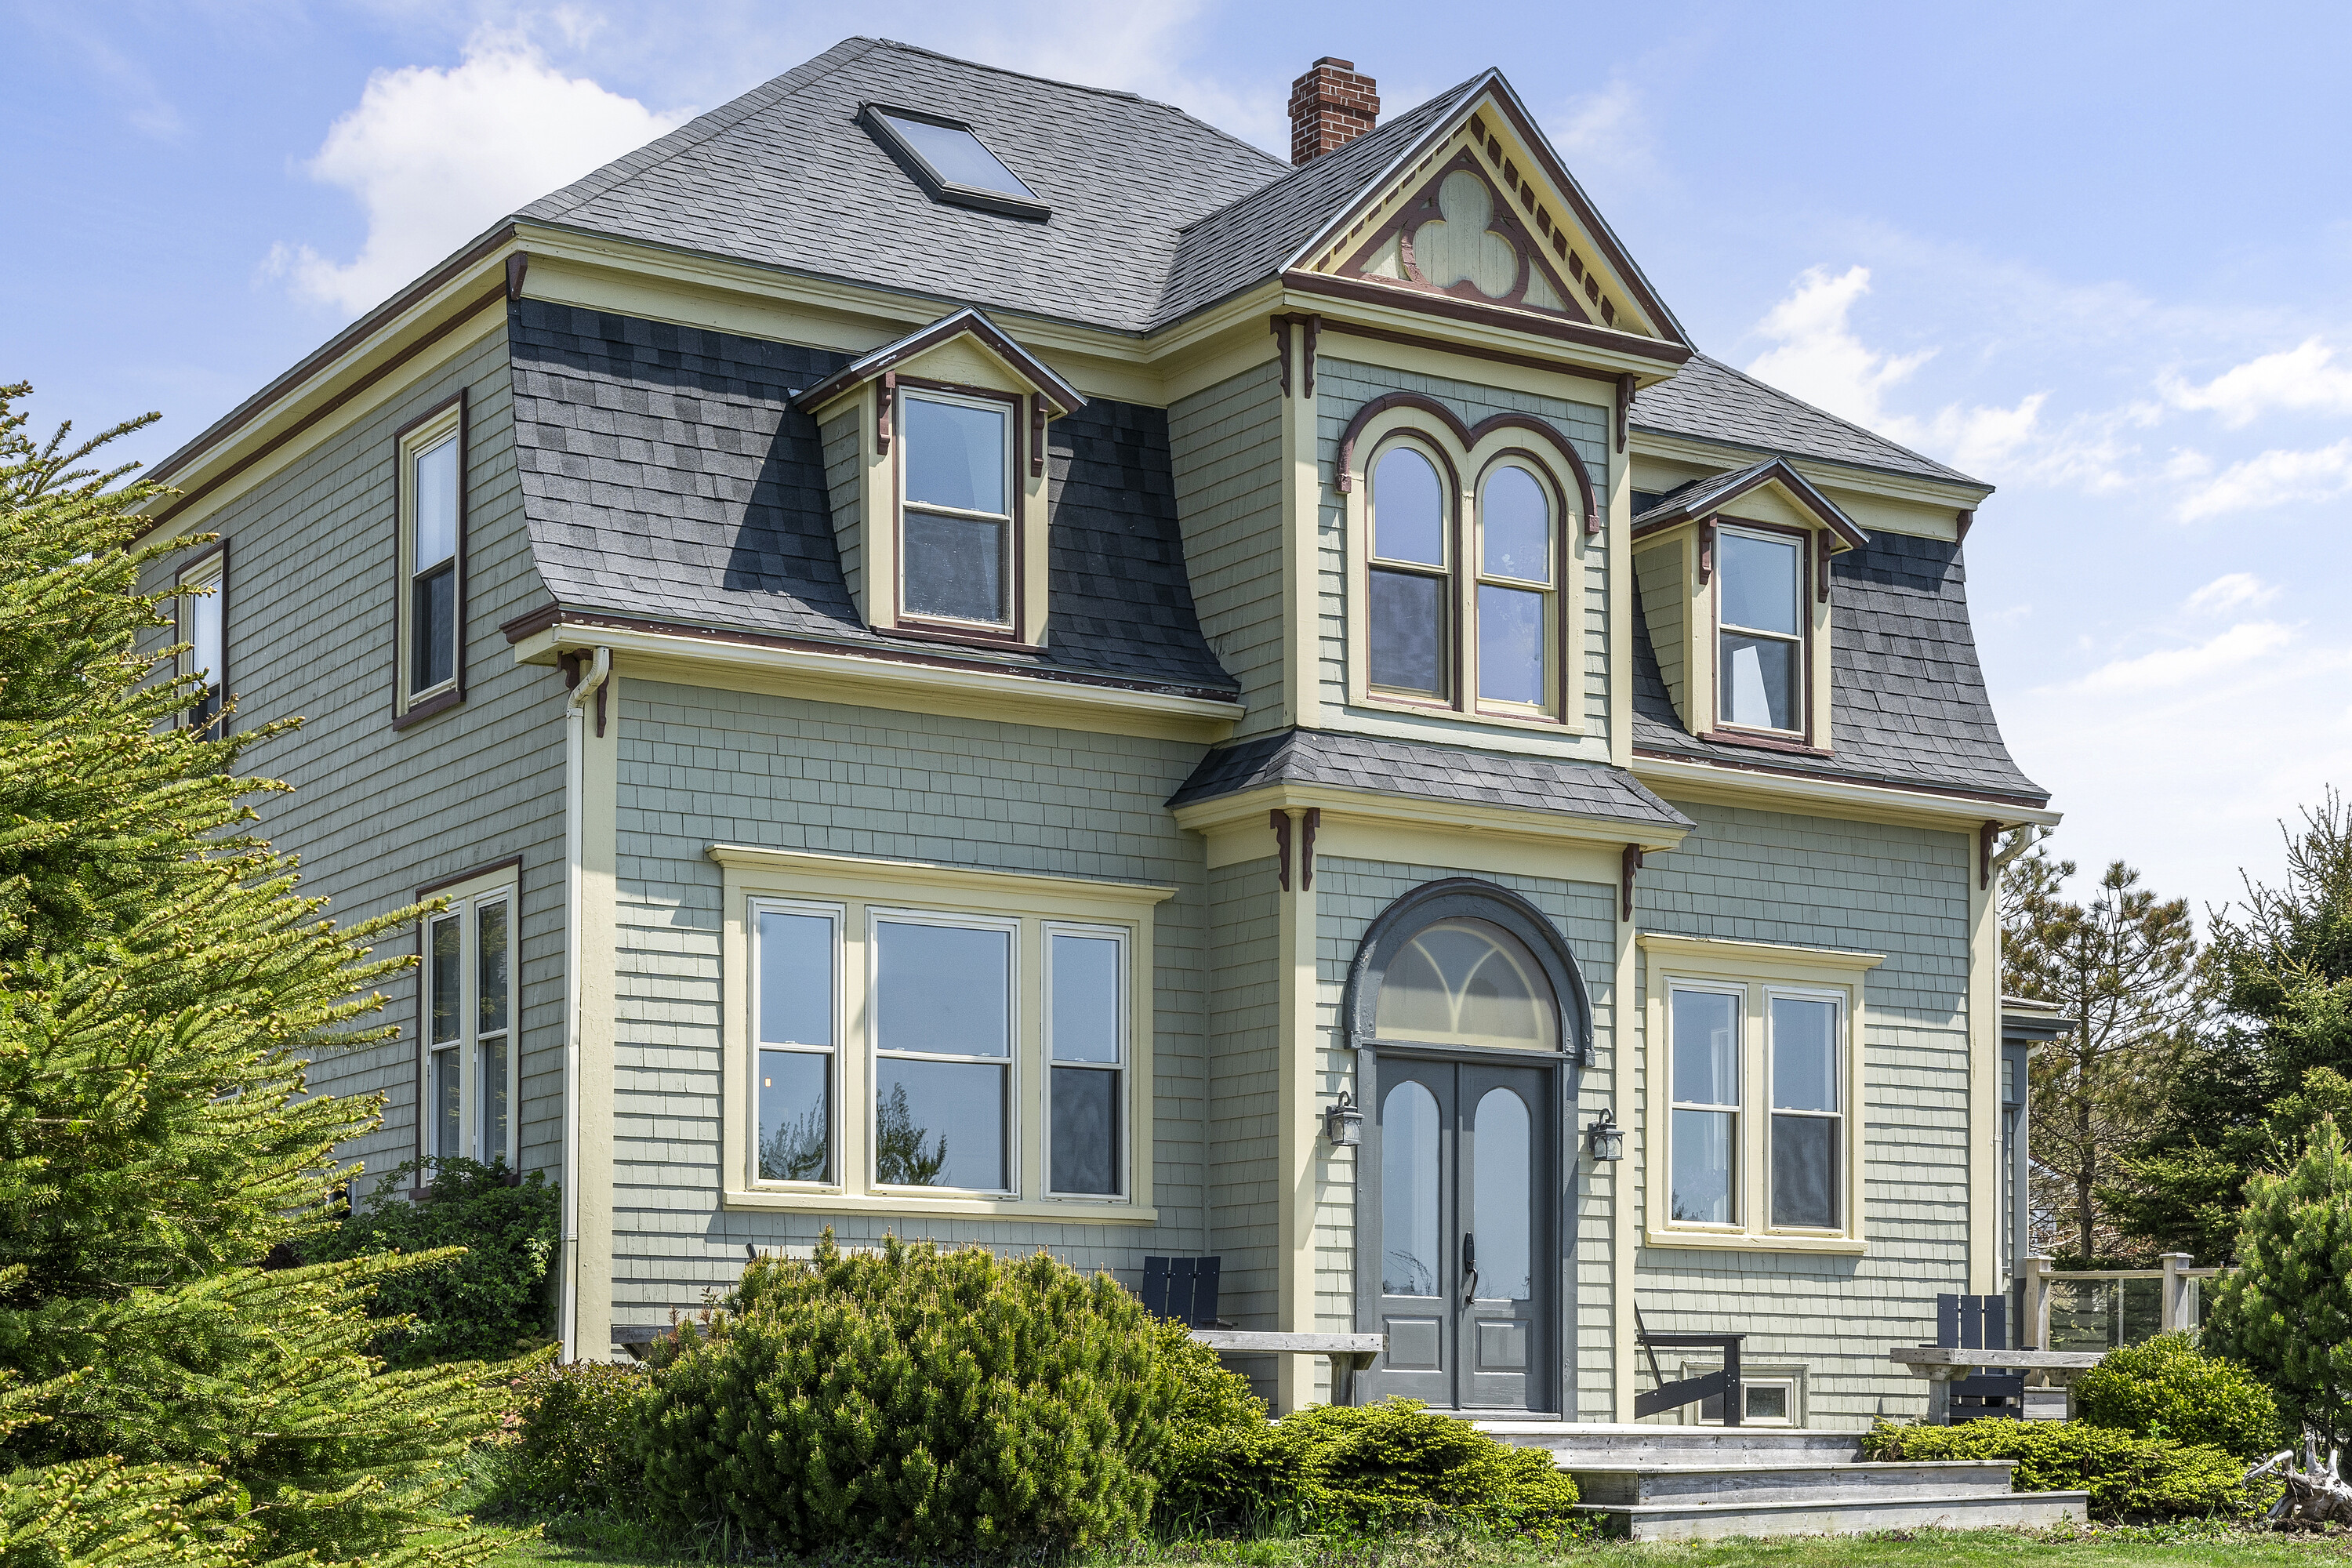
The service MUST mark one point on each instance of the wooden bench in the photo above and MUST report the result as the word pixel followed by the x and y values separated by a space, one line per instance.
pixel 1350 1353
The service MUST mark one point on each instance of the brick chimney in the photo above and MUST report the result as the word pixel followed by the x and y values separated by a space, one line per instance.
pixel 1331 106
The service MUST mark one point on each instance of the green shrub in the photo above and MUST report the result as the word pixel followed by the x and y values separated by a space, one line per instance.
pixel 2123 1474
pixel 1378 1468
pixel 2287 1311
pixel 491 1303
pixel 2166 1387
pixel 1209 1468
pixel 568 1449
pixel 912 1401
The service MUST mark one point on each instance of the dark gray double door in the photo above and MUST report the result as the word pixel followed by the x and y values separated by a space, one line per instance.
pixel 1467 1278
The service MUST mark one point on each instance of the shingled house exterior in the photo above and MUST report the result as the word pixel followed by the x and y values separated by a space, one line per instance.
pixel 973 658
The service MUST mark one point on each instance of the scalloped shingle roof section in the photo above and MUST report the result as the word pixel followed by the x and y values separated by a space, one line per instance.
pixel 1707 400
pixel 785 176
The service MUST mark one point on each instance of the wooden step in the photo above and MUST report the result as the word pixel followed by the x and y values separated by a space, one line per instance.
pixel 1826 1516
pixel 1720 1482
pixel 1642 1443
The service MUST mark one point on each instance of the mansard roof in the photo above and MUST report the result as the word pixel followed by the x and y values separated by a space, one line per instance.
pixel 1415 769
pixel 667 476
pixel 1706 400
pixel 1909 707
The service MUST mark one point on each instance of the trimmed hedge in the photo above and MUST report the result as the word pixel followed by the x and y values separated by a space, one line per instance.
pixel 2123 1474
pixel 2166 1387
pixel 910 1401
pixel 489 1304
pixel 1384 1467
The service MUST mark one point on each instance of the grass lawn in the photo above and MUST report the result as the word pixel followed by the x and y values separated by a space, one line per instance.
pixel 2176 1547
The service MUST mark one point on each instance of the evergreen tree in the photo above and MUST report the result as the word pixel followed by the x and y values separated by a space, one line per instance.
pixel 2125 972
pixel 2287 1312
pixel 2281 1059
pixel 160 985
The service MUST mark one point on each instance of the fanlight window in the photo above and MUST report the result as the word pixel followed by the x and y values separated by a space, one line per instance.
pixel 1466 983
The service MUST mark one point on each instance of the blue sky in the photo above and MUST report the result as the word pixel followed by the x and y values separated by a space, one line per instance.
pixel 2098 257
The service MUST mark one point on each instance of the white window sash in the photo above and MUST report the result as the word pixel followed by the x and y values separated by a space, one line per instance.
pixel 877 916
pixel 1124 1090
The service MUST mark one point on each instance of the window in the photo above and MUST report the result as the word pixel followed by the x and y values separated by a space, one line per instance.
pixel 923 1039
pixel 1086 1032
pixel 1752 1067
pixel 430 635
pixel 1807 1130
pixel 1760 665
pixel 1410 649
pixel 958 561
pixel 1517 618
pixel 469 1068
pixel 204 617
pixel 951 162
pixel 1705 1132
pixel 1466 983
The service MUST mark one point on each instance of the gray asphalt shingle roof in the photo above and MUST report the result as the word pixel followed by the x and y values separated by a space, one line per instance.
pixel 1909 707
pixel 785 176
pixel 1425 772
pixel 666 476
pixel 1707 400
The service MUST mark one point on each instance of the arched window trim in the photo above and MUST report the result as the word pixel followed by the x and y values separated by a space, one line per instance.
pixel 1468 898
pixel 1557 683
pixel 1453 529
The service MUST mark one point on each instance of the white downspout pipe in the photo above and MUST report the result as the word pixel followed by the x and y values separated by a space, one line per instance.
pixel 575 769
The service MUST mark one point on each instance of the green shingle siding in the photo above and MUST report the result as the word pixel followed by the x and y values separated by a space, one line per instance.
pixel 1225 445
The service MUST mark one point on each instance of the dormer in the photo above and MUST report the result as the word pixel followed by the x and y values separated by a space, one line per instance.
pixel 934 450
pixel 1734 575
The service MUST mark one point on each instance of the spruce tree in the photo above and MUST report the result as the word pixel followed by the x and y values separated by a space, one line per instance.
pixel 2287 1311
pixel 162 984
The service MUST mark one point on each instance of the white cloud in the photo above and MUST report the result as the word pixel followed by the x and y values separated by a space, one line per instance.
pixel 436 156
pixel 2167 668
pixel 1817 355
pixel 2272 479
pixel 2231 592
pixel 2303 379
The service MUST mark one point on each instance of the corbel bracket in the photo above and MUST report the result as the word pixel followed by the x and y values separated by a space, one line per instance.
pixel 517 264
pixel 1630 863
pixel 1625 389
pixel 1310 822
pixel 1706 551
pixel 885 399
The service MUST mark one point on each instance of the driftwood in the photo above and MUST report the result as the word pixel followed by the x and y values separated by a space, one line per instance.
pixel 2315 1492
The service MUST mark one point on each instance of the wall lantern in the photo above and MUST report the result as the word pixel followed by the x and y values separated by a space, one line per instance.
pixel 1343 1124
pixel 1605 1138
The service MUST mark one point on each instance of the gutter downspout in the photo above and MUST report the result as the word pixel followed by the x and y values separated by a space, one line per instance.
pixel 575 754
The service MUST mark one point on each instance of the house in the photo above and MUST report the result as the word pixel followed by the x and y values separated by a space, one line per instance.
pixel 976 657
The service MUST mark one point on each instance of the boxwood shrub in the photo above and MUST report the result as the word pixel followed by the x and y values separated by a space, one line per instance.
pixel 2123 1474
pixel 910 1401
pixel 2166 1387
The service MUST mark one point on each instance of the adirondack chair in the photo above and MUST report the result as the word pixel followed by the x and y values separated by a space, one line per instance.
pixel 1723 1384
pixel 1979 1324
pixel 1183 1291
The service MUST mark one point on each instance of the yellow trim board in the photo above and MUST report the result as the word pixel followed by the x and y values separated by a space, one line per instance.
pixel 1039 892
pixel 1763 959
pixel 1246 811
pixel 1753 1241
pixel 1723 785
pixel 862 681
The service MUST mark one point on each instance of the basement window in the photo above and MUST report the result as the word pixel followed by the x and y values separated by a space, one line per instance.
pixel 952 164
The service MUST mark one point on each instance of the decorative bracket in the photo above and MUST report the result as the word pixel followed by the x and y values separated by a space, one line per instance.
pixel 1706 551
pixel 1988 838
pixel 1821 567
pixel 517 264
pixel 1279 820
pixel 1036 436
pixel 1630 863
pixel 1625 388
pixel 885 399
pixel 1281 324
pixel 1312 821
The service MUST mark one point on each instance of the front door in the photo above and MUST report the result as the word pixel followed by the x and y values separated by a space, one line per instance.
pixel 1468 1262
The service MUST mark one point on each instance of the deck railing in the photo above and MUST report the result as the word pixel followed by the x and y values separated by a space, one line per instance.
pixel 2103 1309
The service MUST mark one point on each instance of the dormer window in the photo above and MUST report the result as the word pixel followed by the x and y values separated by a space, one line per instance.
pixel 956 527
pixel 951 162
pixel 1760 620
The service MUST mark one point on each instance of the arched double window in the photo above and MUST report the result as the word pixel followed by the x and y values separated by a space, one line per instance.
pixel 1469 560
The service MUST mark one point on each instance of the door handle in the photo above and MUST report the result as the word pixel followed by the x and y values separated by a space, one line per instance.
pixel 1469 1267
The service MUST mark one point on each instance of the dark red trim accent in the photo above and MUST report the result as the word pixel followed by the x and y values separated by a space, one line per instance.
pixel 953 325
pixel 1734 766
pixel 1559 580
pixel 517 266
pixel 1314 325
pixel 1281 328
pixel 1310 821
pixel 1467 351
pixel 512 862
pixel 439 702
pixel 327 353
pixel 1445 305
pixel 1628 863
pixel 1722 737
pixel 405 713
pixel 1964 521
pixel 932 632
pixel 1706 551
pixel 1987 836
pixel 1279 820
pixel 885 403
pixel 540 620
pixel 1514 229
pixel 1036 436
pixel 1627 384
pixel 1674 514
pixel 1343 480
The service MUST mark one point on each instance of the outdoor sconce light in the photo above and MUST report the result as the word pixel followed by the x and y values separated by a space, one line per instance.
pixel 1343 1124
pixel 1605 1138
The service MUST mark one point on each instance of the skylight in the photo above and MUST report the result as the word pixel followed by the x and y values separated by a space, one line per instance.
pixel 951 162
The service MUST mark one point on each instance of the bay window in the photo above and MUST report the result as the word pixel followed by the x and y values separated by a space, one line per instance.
pixel 935 1039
